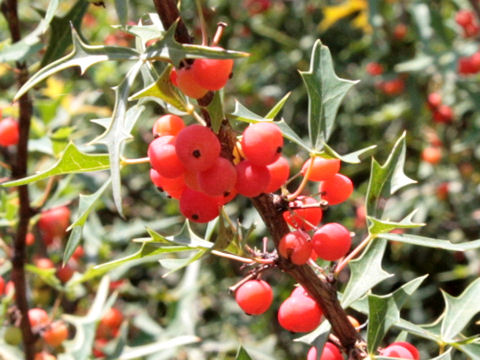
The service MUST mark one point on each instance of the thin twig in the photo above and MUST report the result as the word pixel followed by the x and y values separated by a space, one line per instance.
pixel 341 265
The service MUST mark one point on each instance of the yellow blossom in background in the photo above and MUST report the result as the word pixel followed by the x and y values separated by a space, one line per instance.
pixel 334 13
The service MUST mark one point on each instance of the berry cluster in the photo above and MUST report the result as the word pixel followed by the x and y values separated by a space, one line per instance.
pixel 442 114
pixel 466 19
pixel 54 333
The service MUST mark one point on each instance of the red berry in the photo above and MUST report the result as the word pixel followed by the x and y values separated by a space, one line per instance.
pixel 398 350
pixel 197 147
pixel 2 285
pixel 168 125
pixel 173 186
pixel 112 318
pixel 330 352
pixel 9 132
pixel 163 157
pixel 400 31
pixel 432 155
pixel 78 253
pixel 44 356
pixel 299 291
pixel 299 314
pixel 413 350
pixel 434 100
pixel 252 180
pixel 212 74
pixel 475 61
pixel 337 189
pixel 65 273
pixel 262 143
pixel 443 114
pixel 464 17
pixel 219 179
pixel 393 87
pixel 187 83
pixel 466 66
pixel 279 173
pixel 10 288
pixel 332 241
pixel 173 77
pixel 254 297
pixel 38 317
pixel 374 68
pixel 56 333
pixel 198 207
pixel 53 223
pixel 29 239
pixel 296 246
pixel 303 219
pixel 322 169
pixel 471 30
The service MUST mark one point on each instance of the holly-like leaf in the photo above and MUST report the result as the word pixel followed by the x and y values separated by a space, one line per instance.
pixel 277 107
pixel 242 354
pixel 169 49
pixel 386 179
pixel 119 130
pixel 174 265
pixel 377 226
pixel 430 242
pixel 325 93
pixel 86 205
pixel 366 272
pixel 137 352
pixel 80 347
pixel 60 38
pixel 384 311
pixel 351 158
pixel 83 56
pixel 72 161
pixel 460 310
pixel 163 89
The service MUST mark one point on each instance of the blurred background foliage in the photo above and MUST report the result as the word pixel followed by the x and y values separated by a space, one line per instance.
pixel 418 44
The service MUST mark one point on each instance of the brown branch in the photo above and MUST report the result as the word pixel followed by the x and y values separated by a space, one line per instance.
pixel 168 12
pixel 476 8
pixel 19 170
pixel 271 207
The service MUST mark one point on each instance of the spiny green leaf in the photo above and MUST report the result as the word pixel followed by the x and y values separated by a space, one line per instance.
pixel 186 236
pixel 119 130
pixel 60 38
pixel 366 272
pixel 174 265
pixel 351 158
pixel 72 161
pixel 460 310
pixel 156 347
pixel 86 205
pixel 163 89
pixel 169 49
pixel 318 336
pixel 386 179
pixel 325 93
pixel 278 107
pixel 430 242
pixel 83 56
pixel 242 354
pixel 377 226
pixel 384 311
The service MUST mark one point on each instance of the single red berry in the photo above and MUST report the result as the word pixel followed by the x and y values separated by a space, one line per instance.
pixel 262 143
pixel 299 314
pixel 434 100
pixel 413 350
pixel 252 180
pixel 254 297
pixel 163 157
pixel 198 207
pixel 173 77
pixel 38 317
pixel 393 87
pixel 464 17
pixel 197 147
pixel 279 173
pixel 322 169
pixel 398 350
pixel 303 219
pixel 44 356
pixel 442 191
pixel 299 291
pixel 432 154
pixel 53 223
pixel 374 68
pixel 219 179
pixel 330 352
pixel 56 333
pixel 78 253
pixel 337 189
pixel 2 285
pixel 112 318
pixel 168 124
pixel 466 66
pixel 187 83
pixel 64 273
pixel 29 239
pixel 443 114
pixel 9 132
pixel 172 186
pixel 296 246
pixel 471 30
pixel 332 241
pixel 212 74
pixel 400 31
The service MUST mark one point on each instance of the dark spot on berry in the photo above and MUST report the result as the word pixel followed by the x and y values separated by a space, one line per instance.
pixel 195 217
pixel 226 193
pixel 231 75
pixel 196 153
pixel 160 189
pixel 279 149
